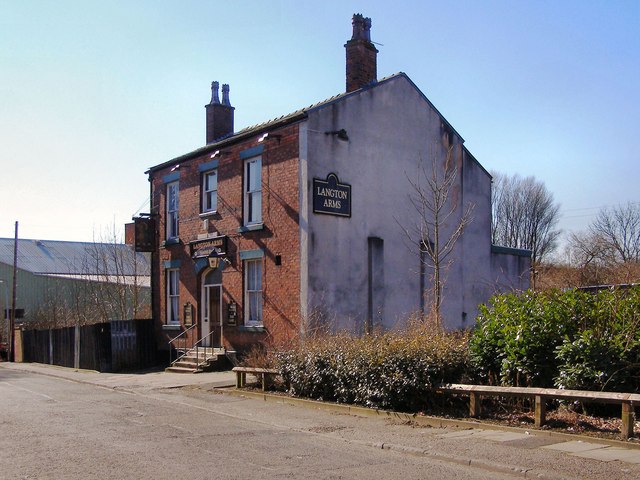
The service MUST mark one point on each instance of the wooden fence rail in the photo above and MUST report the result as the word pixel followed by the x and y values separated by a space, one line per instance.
pixel 541 395
pixel 265 376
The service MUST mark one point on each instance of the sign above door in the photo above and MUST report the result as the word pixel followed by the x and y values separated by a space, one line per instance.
pixel 209 247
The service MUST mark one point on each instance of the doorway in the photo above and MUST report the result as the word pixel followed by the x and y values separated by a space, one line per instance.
pixel 211 308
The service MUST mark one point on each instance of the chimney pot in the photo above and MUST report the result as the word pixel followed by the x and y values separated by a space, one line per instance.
pixel 367 29
pixel 219 115
pixel 225 94
pixel 361 28
pixel 361 65
pixel 214 93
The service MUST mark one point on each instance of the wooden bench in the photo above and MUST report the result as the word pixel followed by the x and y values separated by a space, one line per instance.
pixel 265 375
pixel 541 395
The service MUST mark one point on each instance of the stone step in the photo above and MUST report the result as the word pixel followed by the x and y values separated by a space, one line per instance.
pixel 175 369
pixel 182 364
pixel 193 361
pixel 202 355
pixel 189 362
pixel 191 358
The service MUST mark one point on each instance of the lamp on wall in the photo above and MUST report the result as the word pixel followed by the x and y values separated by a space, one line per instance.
pixel 341 134
pixel 214 260
pixel 269 136
pixel 219 154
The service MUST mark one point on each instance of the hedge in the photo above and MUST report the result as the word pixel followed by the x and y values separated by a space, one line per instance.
pixel 391 370
pixel 568 339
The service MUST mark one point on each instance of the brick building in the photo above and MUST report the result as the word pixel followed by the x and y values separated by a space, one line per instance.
pixel 303 218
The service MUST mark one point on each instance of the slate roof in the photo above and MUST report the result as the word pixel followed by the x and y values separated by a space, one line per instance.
pixel 286 119
pixel 53 257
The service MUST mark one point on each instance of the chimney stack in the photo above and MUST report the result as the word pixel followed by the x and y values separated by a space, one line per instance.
pixel 219 115
pixel 362 67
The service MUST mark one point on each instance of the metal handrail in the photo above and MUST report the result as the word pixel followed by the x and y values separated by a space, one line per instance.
pixel 182 335
pixel 197 346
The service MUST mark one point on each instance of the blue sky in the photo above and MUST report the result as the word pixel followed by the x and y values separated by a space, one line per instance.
pixel 92 93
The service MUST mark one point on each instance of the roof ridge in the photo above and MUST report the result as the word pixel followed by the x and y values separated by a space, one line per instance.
pixel 318 104
pixel 271 122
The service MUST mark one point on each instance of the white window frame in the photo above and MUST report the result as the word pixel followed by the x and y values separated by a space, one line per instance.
pixel 209 191
pixel 173 296
pixel 173 210
pixel 253 300
pixel 253 191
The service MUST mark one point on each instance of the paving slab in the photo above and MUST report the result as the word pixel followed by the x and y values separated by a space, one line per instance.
pixel 533 441
pixel 506 436
pixel 496 436
pixel 630 456
pixel 472 432
pixel 610 454
pixel 575 446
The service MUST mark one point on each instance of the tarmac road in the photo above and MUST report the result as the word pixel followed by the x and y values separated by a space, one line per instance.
pixel 64 424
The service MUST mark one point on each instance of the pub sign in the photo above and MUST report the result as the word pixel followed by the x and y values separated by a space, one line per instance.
pixel 144 234
pixel 331 197
pixel 210 247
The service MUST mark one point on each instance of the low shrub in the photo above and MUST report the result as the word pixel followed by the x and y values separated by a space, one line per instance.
pixel 258 355
pixel 391 370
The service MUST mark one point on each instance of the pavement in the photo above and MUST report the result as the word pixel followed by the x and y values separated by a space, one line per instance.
pixel 574 445
pixel 147 380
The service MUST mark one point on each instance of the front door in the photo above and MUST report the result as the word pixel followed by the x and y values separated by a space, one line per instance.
pixel 214 308
pixel 211 308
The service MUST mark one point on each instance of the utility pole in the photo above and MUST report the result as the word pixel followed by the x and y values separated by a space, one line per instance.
pixel 5 312
pixel 12 320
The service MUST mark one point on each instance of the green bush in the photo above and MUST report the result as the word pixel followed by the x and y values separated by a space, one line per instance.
pixel 394 370
pixel 586 362
pixel 516 336
pixel 570 339
pixel 606 354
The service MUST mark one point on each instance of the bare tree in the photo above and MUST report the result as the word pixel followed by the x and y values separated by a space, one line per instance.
pixel 440 221
pixel 116 271
pixel 525 215
pixel 64 302
pixel 609 251
pixel 587 253
pixel 103 283
pixel 619 229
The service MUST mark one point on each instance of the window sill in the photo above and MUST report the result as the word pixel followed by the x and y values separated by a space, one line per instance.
pixel 212 213
pixel 251 228
pixel 170 241
pixel 252 328
pixel 171 327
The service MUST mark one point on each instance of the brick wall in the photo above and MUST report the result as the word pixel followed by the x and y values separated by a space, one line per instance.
pixel 361 64
pixel 279 237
